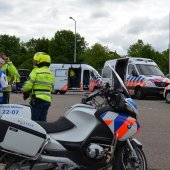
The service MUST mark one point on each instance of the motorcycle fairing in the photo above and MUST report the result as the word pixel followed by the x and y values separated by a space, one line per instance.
pixel 131 102
pixel 82 116
pixel 121 124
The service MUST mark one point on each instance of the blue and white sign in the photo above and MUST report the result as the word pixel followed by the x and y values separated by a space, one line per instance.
pixel 15 109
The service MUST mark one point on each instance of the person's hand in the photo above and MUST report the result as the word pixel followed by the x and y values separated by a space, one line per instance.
pixel 4 57
pixel 7 59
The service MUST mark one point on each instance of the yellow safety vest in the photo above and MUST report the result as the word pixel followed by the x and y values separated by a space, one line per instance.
pixel 72 73
pixel 10 71
pixel 40 83
pixel 17 78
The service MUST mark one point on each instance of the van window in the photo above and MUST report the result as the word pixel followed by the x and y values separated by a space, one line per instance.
pixel 60 73
pixel 95 74
pixel 145 69
pixel 106 72
pixel 131 68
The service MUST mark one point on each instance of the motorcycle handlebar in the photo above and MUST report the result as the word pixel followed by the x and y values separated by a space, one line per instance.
pixel 91 96
pixel 106 92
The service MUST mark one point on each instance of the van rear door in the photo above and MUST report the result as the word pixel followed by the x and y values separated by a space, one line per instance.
pixel 86 80
pixel 61 79
pixel 121 68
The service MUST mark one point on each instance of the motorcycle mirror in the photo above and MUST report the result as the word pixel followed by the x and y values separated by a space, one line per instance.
pixel 120 101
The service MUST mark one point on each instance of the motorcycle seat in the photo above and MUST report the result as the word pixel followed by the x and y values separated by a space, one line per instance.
pixel 62 124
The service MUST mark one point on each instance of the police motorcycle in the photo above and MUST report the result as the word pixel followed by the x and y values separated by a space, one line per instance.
pixel 95 134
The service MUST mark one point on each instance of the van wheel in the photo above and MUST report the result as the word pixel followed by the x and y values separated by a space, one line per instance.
pixel 54 92
pixel 167 97
pixel 62 92
pixel 95 88
pixel 139 93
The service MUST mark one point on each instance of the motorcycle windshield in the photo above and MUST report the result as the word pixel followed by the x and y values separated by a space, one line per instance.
pixel 117 83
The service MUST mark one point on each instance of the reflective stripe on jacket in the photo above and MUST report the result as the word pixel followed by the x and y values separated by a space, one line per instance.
pixel 40 82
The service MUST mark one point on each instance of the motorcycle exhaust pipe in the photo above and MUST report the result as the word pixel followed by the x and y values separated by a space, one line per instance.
pixel 60 161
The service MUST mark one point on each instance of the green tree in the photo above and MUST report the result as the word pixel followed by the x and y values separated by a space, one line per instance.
pixel 164 64
pixel 61 46
pixel 97 55
pixel 28 64
pixel 33 46
pixel 140 49
pixel 11 46
pixel 37 45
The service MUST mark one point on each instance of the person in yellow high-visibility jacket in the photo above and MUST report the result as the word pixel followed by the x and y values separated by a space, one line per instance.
pixel 10 71
pixel 40 85
pixel 72 77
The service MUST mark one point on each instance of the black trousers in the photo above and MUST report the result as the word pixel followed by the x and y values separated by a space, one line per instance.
pixel 6 96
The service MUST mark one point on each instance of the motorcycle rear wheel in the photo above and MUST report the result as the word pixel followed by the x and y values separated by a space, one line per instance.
pixel 124 160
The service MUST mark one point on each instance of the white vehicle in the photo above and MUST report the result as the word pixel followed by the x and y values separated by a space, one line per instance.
pixel 141 76
pixel 95 134
pixel 87 78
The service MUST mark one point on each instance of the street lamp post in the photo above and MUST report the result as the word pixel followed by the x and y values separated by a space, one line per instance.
pixel 74 40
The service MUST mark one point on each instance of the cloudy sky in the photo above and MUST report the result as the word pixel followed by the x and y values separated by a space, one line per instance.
pixel 113 23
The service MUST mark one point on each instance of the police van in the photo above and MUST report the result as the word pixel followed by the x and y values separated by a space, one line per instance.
pixel 141 76
pixel 86 78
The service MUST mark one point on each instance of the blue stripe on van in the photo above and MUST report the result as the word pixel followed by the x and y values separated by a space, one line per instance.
pixel 138 78
pixel 141 79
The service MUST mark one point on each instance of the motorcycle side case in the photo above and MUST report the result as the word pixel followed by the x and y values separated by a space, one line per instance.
pixel 122 125
pixel 21 135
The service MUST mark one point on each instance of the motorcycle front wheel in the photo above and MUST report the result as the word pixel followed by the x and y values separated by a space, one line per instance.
pixel 124 159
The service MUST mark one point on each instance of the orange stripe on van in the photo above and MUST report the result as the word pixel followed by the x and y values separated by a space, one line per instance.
pixel 81 86
pixel 92 85
pixel 167 81
pixel 143 84
pixel 130 83
pixel 127 83
pixel 134 83
pixel 64 88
